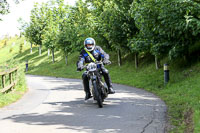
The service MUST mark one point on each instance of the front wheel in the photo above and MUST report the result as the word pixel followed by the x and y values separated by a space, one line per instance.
pixel 97 95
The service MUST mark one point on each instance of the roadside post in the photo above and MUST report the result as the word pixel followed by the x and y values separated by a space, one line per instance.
pixel 26 65
pixel 166 73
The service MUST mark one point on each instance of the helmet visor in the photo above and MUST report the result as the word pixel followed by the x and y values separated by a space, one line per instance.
pixel 89 46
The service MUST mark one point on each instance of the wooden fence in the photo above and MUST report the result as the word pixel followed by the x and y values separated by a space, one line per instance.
pixel 12 79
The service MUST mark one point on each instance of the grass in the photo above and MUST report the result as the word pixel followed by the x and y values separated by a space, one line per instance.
pixel 181 94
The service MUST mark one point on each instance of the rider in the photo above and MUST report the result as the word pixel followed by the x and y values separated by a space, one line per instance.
pixel 90 53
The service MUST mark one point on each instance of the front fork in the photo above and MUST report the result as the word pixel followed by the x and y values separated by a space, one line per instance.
pixel 104 89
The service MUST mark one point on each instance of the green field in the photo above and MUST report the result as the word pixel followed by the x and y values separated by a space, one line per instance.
pixel 181 94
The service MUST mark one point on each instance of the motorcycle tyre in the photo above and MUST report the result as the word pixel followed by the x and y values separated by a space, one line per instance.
pixel 97 95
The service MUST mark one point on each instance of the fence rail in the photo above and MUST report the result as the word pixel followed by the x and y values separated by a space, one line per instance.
pixel 12 82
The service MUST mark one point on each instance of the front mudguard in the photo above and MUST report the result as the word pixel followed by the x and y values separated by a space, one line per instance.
pixel 94 77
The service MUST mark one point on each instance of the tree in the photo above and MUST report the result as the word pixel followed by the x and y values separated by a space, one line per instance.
pixel 67 35
pixel 50 34
pixel 35 30
pixel 4 7
pixel 167 25
pixel 77 26
pixel 115 23
pixel 55 15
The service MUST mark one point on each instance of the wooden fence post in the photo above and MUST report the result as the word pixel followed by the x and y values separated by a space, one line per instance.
pixel 3 81
pixel 10 77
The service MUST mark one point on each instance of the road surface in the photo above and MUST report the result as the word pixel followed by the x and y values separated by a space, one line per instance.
pixel 56 105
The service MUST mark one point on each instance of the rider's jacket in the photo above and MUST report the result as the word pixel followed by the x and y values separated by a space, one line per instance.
pixel 97 53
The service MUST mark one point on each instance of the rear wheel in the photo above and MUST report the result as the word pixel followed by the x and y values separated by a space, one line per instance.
pixel 97 95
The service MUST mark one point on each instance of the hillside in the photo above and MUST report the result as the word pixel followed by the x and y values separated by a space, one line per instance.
pixel 181 94
pixel 8 49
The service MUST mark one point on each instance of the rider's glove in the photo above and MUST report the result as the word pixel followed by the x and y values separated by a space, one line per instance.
pixel 79 68
pixel 105 61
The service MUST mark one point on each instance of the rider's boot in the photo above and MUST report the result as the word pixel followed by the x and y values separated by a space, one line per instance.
pixel 111 90
pixel 88 95
pixel 86 87
pixel 108 81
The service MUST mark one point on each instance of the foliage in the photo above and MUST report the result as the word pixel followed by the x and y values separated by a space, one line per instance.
pixel 114 22
pixel 4 7
pixel 162 27
pixel 171 25
pixel 36 28
pixel 22 25
pixel 73 31
pixel 51 27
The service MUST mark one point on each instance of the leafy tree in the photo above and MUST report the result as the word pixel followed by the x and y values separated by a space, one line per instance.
pixel 138 44
pixel 165 25
pixel 35 30
pixel 83 22
pixel 22 25
pixel 183 26
pixel 78 24
pixel 4 7
pixel 55 15
pixel 50 33
pixel 66 37
pixel 115 22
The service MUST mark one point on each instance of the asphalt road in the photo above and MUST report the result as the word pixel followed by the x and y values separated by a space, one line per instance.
pixel 56 105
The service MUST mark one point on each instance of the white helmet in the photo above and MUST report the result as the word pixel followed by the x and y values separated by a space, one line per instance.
pixel 89 44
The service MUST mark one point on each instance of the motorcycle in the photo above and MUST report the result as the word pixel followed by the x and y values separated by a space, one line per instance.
pixel 98 88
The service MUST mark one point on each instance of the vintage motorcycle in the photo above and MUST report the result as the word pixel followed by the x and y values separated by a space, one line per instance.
pixel 97 87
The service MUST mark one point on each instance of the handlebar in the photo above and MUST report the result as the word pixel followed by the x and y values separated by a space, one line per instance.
pixel 97 62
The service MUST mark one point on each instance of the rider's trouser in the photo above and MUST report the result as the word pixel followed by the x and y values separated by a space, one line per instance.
pixel 105 74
